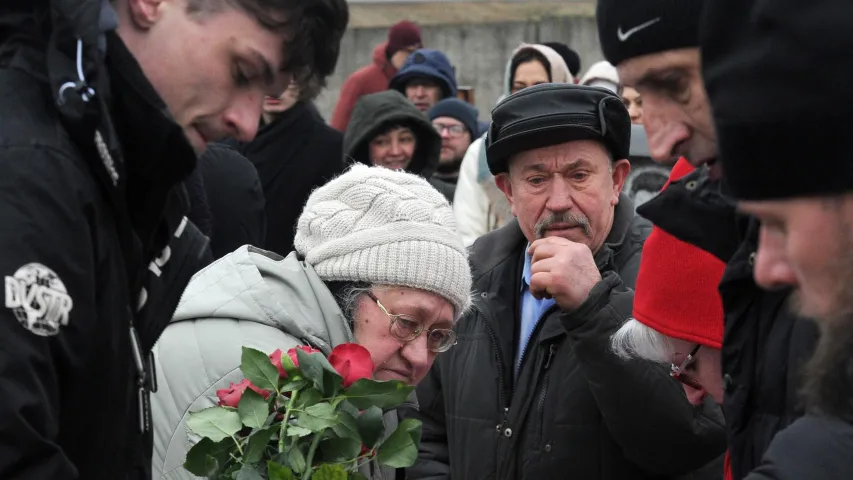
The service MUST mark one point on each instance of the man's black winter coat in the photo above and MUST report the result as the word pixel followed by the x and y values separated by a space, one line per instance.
pixel 95 244
pixel 764 344
pixel 294 154
pixel 576 411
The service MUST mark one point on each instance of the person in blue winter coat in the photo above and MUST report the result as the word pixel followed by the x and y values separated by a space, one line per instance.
pixel 426 78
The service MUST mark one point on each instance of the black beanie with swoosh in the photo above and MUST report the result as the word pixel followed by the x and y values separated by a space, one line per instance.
pixel 631 28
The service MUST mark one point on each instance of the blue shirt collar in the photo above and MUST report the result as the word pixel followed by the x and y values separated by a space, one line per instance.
pixel 525 274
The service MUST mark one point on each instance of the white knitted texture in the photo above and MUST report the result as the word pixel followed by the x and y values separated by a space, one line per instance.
pixel 381 226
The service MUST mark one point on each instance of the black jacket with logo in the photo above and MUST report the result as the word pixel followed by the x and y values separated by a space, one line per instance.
pixel 764 344
pixel 94 245
pixel 576 410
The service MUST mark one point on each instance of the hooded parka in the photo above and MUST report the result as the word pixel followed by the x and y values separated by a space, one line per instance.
pixel 95 247
pixel 574 410
pixel 374 113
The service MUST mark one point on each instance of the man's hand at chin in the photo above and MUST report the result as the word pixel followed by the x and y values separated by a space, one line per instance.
pixel 562 270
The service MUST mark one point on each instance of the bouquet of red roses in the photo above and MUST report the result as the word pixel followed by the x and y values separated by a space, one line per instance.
pixel 301 415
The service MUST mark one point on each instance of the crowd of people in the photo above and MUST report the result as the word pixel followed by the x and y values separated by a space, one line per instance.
pixel 634 272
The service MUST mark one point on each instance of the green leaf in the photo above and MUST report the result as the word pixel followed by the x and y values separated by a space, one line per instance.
pixel 215 423
pixel 348 407
pixel 206 458
pixel 317 369
pixel 356 476
pixel 296 459
pixel 277 471
pixel 249 472
pixel 253 409
pixel 308 397
pixel 293 384
pixel 317 417
pixel 371 427
pixel 339 450
pixel 259 440
pixel 366 393
pixel 258 368
pixel 296 431
pixel 400 450
pixel 347 428
pixel 330 472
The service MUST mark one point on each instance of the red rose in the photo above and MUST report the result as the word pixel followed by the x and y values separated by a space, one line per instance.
pixel 351 361
pixel 230 397
pixel 275 357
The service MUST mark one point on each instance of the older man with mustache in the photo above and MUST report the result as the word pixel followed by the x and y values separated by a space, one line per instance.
pixel 533 390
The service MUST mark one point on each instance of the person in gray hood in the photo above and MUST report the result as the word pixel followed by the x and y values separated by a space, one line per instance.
pixel 387 130
pixel 377 261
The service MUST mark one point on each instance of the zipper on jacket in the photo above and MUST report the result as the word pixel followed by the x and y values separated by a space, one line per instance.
pixel 533 334
pixel 504 401
pixel 545 380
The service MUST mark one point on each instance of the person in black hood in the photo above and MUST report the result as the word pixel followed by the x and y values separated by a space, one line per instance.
pixel 104 112
pixel 386 130
pixel 235 198
pixel 294 153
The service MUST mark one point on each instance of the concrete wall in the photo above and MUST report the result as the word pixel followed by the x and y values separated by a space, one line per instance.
pixel 478 50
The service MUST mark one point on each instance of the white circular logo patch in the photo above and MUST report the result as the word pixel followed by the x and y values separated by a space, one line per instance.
pixel 39 299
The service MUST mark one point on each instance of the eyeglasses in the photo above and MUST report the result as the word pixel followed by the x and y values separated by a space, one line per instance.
pixel 677 372
pixel 407 328
pixel 453 130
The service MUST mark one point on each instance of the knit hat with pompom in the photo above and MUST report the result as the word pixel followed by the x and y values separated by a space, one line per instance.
pixel 385 227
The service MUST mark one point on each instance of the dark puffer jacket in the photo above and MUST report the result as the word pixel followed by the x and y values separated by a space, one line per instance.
pixel 376 112
pixel 764 344
pixel 576 411
pixel 96 247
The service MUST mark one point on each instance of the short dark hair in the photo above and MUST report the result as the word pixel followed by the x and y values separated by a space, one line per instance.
pixel 525 55
pixel 313 29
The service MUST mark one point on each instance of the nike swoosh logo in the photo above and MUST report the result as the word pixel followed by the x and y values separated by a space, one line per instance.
pixel 625 35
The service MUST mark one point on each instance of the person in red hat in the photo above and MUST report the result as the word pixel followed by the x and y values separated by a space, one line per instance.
pixel 403 39
pixel 678 313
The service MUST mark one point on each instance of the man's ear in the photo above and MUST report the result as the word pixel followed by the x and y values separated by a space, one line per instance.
pixel 503 182
pixel 144 13
pixel 621 169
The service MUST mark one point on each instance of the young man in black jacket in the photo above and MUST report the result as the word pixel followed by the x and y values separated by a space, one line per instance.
pixel 655 46
pixel 532 391
pixel 805 207
pixel 104 108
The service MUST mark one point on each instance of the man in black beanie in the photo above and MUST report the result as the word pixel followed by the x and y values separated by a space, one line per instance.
pixel 655 46
pixel 789 165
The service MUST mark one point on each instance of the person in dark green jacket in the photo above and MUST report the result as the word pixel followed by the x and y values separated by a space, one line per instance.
pixel 387 130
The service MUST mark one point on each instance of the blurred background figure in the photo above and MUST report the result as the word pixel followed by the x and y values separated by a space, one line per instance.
pixel 478 204
pixel 403 38
pixel 235 199
pixel 602 74
pixel 456 123
pixel 633 102
pixel 294 153
pixel 571 57
pixel 388 131
pixel 646 178
pixel 426 78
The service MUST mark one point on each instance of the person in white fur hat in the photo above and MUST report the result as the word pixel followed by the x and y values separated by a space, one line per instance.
pixel 378 261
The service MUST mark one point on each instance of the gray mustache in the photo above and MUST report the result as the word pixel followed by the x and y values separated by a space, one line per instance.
pixel 567 218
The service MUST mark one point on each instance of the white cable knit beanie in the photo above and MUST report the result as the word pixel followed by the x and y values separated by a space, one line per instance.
pixel 385 227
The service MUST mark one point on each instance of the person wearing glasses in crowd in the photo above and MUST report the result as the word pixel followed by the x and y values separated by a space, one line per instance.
pixel 456 122
pixel 377 261
pixel 678 312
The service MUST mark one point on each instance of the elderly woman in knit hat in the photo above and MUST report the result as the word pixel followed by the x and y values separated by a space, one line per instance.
pixel 377 261
pixel 678 313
